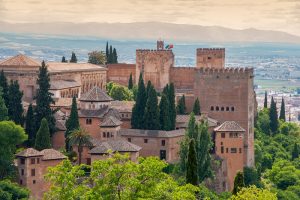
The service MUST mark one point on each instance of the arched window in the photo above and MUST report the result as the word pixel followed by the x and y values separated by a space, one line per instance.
pixel 227 108
pixel 232 109
pixel 217 108
pixel 222 108
pixel 212 108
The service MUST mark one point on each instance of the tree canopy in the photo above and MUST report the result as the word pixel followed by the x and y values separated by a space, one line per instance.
pixel 72 122
pixel 73 58
pixel 42 140
pixel 97 57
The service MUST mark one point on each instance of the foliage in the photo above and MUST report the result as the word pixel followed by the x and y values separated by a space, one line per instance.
pixel 30 126
pixel 130 82
pixel 14 191
pixel 196 107
pixel 121 93
pixel 254 193
pixel 111 54
pixel 4 86
pixel 120 179
pixel 3 108
pixel 42 140
pixel 282 111
pixel 72 122
pixel 15 107
pixel 73 58
pixel 63 59
pixel 266 100
pixel 295 151
pixel 192 165
pixel 251 177
pixel 273 117
pixel 238 183
pixel 10 136
pixel 171 95
pixel 181 108
pixel 151 116
pixel 97 57
pixel 165 121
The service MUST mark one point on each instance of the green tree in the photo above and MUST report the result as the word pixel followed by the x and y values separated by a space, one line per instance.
pixel 97 57
pixel 121 93
pixel 164 116
pixel 282 111
pixel 254 193
pixel 73 58
pixel 171 95
pixel 30 128
pixel 120 179
pixel 14 190
pixel 181 108
pixel 130 82
pixel 110 56
pixel 192 165
pixel 80 138
pixel 115 56
pixel 263 121
pixel 273 117
pixel 107 52
pixel 266 100
pixel 138 109
pixel 3 108
pixel 151 116
pixel 63 59
pixel 42 140
pixel 15 107
pixel 196 107
pixel 238 183
pixel 4 86
pixel 72 123
pixel 11 135
pixel 295 151
pixel 44 99
pixel 251 176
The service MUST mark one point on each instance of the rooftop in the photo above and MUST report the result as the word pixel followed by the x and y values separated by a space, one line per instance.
pixel 62 84
pixel 184 119
pixel 110 121
pixel 229 126
pixel 30 152
pixel 48 154
pixel 100 113
pixel 96 95
pixel 123 106
pixel 20 60
pixel 151 133
pixel 116 145
pixel 61 67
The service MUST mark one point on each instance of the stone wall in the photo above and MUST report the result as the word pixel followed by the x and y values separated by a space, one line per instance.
pixel 211 57
pixel 120 73
pixel 182 77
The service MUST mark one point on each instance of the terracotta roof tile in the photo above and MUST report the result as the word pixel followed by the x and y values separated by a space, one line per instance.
pixel 62 84
pixel 20 60
pixel 110 121
pixel 51 154
pixel 30 152
pixel 95 94
pixel 230 126
pixel 184 120
pixel 151 133
pixel 116 145
pixel 123 106
pixel 67 67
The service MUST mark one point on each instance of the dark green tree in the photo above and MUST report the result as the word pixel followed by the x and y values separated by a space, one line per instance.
pixel 15 107
pixel 192 165
pixel 171 95
pixel 251 176
pixel 97 57
pixel 14 191
pixel 115 56
pixel 130 82
pixel 196 107
pixel 110 56
pixel 266 100
pixel 181 108
pixel 151 115
pixel 44 99
pixel 138 109
pixel 273 117
pixel 164 117
pixel 63 59
pixel 295 151
pixel 107 52
pixel 238 183
pixel 73 58
pixel 282 111
pixel 42 140
pixel 72 123
pixel 4 86
pixel 3 108
pixel 30 128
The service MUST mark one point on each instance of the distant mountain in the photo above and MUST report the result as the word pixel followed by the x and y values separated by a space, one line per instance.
pixel 152 31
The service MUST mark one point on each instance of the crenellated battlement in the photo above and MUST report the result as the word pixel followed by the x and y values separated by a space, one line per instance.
pixel 235 70
pixel 211 49
pixel 153 50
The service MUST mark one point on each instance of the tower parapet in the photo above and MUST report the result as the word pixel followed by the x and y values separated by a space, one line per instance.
pixel 211 57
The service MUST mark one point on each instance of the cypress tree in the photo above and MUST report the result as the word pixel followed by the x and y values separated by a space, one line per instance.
pixel 63 59
pixel 171 95
pixel 138 109
pixel 181 108
pixel 130 82
pixel 295 151
pixel 110 55
pixel 192 165
pixel 196 108
pixel 44 99
pixel 107 52
pixel 273 117
pixel 72 123
pixel 73 58
pixel 115 56
pixel 151 116
pixel 238 183
pixel 282 111
pixel 4 86
pixel 266 100
pixel 149 85
pixel 3 108
pixel 15 107
pixel 165 121
pixel 42 140
pixel 30 126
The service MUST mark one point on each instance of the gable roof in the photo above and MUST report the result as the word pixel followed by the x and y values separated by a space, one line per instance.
pixel 51 154
pixel 55 67
pixel 110 121
pixel 30 152
pixel 229 126
pixel 95 94
pixel 151 133
pixel 184 120
pixel 116 145
pixel 20 60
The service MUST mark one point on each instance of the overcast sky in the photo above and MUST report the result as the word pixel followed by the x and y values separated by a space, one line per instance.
pixel 283 15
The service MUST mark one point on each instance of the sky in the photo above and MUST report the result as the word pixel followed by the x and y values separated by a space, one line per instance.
pixel 281 15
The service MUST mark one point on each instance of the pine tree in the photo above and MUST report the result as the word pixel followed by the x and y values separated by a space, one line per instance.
pixel 72 123
pixel 181 108
pixel 295 152
pixel 266 100
pixel 107 52
pixel 63 59
pixel 3 108
pixel 73 58
pixel 4 86
pixel 196 108
pixel 192 165
pixel 130 82
pixel 165 121
pixel 15 107
pixel 30 126
pixel 138 109
pixel 273 117
pixel 238 183
pixel 110 55
pixel 44 99
pixel 151 116
pixel 171 95
pixel 282 111
pixel 115 56
pixel 42 140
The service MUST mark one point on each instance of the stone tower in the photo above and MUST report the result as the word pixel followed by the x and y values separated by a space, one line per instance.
pixel 160 45
pixel 211 57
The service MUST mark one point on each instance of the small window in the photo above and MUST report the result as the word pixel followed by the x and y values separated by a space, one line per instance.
pixel 104 134
pixel 222 149
pixel 227 108
pixel 163 143
pixel 223 135
pixel 209 58
pixel 233 150
pixel 222 109
pixel 129 139
pixel 226 150
pixel 33 181
pixel 212 108
pixel 32 161
pixel 22 172
pixel 88 121
pixel 21 182
pixel 232 109
pixel 22 161
pixel 32 172
pixel 38 160
pixel 217 108
pixel 240 150
pixel 145 140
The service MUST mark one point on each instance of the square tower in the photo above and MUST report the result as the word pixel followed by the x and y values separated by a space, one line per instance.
pixel 211 58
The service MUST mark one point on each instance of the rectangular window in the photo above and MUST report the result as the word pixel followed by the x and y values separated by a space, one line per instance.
pixel 234 135
pixel 22 172
pixel 32 161
pixel 38 160
pixel 163 143
pixel 145 140
pixel 33 181
pixel 163 154
pixel 21 182
pixel 222 135
pixel 226 150
pixel 22 161
pixel 32 172
pixel 88 121
pixel 233 150
pixel 129 139
pixel 222 149
pixel 240 150
pixel 104 134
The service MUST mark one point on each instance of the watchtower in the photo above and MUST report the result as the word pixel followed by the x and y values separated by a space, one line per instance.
pixel 211 57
